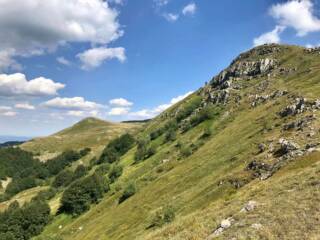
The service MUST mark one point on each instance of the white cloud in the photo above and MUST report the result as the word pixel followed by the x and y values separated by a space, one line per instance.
pixel 269 37
pixel 34 27
pixel 160 3
pixel 94 57
pixel 120 2
pixel 118 111
pixel 7 111
pixel 17 85
pixel 75 103
pixel 63 61
pixel 25 106
pixel 297 14
pixel 9 114
pixel 150 113
pixel 6 61
pixel 170 17
pixel 190 9
pixel 120 102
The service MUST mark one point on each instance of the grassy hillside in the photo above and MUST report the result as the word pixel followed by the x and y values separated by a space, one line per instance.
pixel 91 132
pixel 251 135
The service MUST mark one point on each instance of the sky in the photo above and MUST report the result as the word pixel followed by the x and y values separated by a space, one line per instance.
pixel 62 61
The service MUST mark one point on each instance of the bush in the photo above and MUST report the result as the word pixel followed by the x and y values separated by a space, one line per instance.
pixel 85 152
pixel 185 151
pixel 116 148
pixel 163 216
pixel 129 191
pixel 144 151
pixel 80 172
pixel 20 184
pixel 79 195
pixel 63 179
pixel 103 169
pixel 115 172
pixel 207 132
pixel 45 195
pixel 188 109
pixel 170 135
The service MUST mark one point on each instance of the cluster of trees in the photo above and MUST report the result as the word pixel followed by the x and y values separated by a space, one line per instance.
pixel 27 172
pixel 78 197
pixel 24 222
pixel 144 150
pixel 117 148
pixel 65 177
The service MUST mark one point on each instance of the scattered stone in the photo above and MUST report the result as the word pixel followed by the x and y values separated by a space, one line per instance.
pixel 262 147
pixel 256 226
pixel 225 224
pixel 287 146
pixel 294 109
pixel 250 206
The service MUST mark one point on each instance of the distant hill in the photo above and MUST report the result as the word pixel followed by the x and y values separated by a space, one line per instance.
pixel 90 132
pixel 11 143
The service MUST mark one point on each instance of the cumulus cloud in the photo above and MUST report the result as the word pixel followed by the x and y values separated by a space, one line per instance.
pixel 14 85
pixel 7 111
pixel 171 17
pixel 269 37
pixel 82 114
pixel 298 14
pixel 94 57
pixel 43 25
pixel 150 113
pixel 118 111
pixel 63 61
pixel 75 103
pixel 25 106
pixel 189 9
pixel 120 102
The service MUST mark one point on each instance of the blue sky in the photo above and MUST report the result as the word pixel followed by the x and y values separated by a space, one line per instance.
pixel 61 61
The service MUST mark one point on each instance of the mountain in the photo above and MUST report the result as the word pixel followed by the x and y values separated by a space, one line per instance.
pixel 90 132
pixel 237 159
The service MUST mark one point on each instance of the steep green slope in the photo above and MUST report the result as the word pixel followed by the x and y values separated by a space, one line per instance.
pixel 91 132
pixel 248 135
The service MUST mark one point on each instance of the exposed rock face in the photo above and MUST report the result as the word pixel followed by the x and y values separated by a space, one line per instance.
pixel 300 105
pixel 243 69
pixel 294 109
pixel 259 99
pixel 299 124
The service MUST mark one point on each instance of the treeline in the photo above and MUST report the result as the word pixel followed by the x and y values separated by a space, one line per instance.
pixel 20 223
pixel 27 172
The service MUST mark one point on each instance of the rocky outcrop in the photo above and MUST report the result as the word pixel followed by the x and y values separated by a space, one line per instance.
pixel 299 124
pixel 301 105
pixel 259 99
pixel 243 69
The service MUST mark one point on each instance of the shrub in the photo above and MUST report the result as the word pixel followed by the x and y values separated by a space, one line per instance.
pixel 20 184
pixel 63 179
pixel 163 216
pixel 85 152
pixel 80 172
pixel 129 191
pixel 188 109
pixel 185 151
pixel 144 151
pixel 207 132
pixel 115 172
pixel 170 135
pixel 79 195
pixel 116 148
pixel 103 169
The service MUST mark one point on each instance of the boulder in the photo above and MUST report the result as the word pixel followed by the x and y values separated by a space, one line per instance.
pixel 250 206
